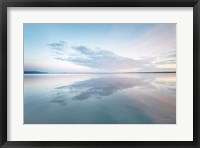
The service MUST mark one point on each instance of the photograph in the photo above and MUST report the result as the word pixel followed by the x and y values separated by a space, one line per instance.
pixel 99 73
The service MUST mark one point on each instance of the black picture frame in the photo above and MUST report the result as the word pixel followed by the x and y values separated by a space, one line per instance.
pixel 4 4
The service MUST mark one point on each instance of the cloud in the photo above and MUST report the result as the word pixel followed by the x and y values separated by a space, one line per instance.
pixel 57 46
pixel 102 59
pixel 167 58
pixel 97 59
pixel 109 61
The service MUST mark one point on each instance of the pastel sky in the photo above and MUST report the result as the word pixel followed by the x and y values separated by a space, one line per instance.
pixel 99 47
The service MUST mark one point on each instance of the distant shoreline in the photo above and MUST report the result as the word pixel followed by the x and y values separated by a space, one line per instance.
pixel 35 72
pixel 38 72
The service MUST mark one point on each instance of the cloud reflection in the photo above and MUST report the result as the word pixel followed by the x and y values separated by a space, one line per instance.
pixel 100 87
pixel 93 88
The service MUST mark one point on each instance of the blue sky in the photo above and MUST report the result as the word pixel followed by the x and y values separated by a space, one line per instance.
pixel 99 47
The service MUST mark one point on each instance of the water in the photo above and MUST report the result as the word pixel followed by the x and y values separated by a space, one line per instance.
pixel 100 98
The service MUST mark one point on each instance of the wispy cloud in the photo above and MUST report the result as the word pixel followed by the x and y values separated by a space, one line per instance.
pixel 102 59
pixel 168 58
pixel 57 45
pixel 94 58
pixel 106 60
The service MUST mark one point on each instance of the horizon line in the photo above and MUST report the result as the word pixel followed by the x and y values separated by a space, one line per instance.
pixel 39 72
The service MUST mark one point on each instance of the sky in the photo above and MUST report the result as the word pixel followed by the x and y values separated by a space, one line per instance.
pixel 99 47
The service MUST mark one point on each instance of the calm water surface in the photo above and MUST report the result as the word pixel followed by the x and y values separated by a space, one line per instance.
pixel 100 98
